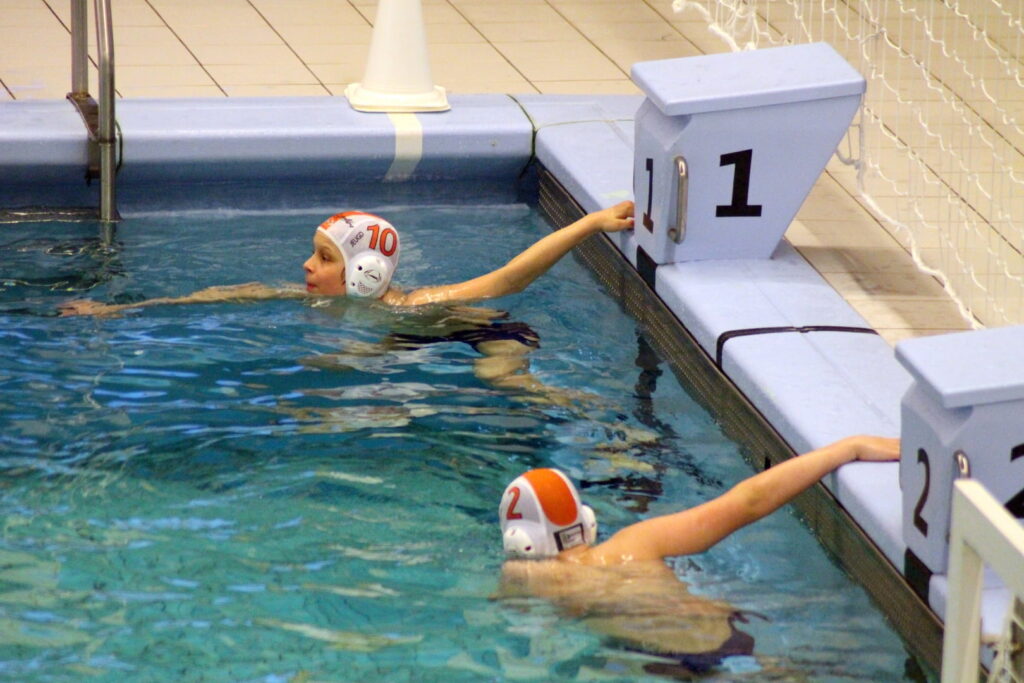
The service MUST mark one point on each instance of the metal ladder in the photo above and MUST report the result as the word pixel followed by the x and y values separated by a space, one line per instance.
pixel 98 117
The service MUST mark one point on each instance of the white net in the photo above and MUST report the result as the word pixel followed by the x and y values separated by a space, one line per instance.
pixel 936 150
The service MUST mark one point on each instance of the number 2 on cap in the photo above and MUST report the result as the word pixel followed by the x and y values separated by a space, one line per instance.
pixel 512 514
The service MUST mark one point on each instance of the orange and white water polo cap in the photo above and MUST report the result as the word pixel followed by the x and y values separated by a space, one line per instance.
pixel 370 247
pixel 541 515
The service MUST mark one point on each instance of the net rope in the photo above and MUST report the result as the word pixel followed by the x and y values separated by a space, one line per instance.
pixel 936 152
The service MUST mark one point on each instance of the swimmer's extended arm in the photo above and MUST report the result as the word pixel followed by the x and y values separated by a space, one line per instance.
pixel 697 529
pixel 251 291
pixel 515 275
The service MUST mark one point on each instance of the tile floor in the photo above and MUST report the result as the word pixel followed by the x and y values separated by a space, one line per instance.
pixel 225 48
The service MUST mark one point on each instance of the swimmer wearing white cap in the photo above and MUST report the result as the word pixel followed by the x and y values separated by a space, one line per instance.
pixel 622 588
pixel 368 247
pixel 356 254
pixel 332 269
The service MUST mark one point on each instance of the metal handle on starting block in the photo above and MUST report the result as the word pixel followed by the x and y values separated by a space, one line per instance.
pixel 678 231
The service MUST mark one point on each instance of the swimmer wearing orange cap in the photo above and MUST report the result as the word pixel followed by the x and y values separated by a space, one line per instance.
pixel 543 506
pixel 541 515
pixel 622 587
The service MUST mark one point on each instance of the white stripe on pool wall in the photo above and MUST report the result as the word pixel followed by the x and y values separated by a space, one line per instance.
pixel 408 146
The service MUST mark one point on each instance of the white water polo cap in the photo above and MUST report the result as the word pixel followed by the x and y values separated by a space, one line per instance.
pixel 369 246
pixel 541 515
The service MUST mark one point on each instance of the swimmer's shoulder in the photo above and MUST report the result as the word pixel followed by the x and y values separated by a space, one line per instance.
pixel 394 297
pixel 417 297
pixel 440 305
pixel 611 554
pixel 563 577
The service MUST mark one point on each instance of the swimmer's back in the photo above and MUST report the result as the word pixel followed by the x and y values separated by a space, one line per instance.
pixel 642 605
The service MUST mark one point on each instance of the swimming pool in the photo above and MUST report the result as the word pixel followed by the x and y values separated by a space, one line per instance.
pixel 268 491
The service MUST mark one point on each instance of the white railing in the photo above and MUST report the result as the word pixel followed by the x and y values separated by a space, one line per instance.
pixel 983 533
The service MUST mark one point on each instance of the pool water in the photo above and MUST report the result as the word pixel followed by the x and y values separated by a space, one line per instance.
pixel 271 492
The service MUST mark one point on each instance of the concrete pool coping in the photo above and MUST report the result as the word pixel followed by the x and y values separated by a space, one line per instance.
pixel 813 385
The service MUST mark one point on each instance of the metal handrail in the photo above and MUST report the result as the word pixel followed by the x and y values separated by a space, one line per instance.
pixel 99 118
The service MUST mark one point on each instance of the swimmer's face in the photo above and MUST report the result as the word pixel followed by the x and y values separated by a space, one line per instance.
pixel 325 269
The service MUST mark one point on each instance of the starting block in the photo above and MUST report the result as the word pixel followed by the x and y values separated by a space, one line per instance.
pixel 728 146
pixel 960 417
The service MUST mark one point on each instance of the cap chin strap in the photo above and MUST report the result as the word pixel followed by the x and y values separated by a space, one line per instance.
pixel 367 274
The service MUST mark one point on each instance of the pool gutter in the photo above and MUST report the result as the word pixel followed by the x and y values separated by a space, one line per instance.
pixel 44 147
pixel 812 386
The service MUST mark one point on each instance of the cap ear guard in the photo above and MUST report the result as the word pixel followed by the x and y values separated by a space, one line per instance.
pixel 518 541
pixel 541 515
pixel 367 274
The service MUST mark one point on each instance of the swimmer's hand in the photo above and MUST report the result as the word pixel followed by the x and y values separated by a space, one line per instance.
pixel 872 448
pixel 615 218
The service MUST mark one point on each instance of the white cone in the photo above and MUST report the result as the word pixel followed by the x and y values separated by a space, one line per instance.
pixel 397 74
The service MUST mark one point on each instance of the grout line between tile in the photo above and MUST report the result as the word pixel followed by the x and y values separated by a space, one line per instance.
pixel 56 16
pixel 609 57
pixel 290 48
pixel 87 55
pixel 367 15
pixel 187 48
pixel 493 46
pixel 585 37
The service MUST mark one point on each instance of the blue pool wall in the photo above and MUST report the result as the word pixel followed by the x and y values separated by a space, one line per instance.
pixel 813 387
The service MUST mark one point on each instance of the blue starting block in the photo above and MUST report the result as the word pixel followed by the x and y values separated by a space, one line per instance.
pixel 963 415
pixel 728 146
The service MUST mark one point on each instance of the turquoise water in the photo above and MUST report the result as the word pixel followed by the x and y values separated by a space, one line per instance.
pixel 267 492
